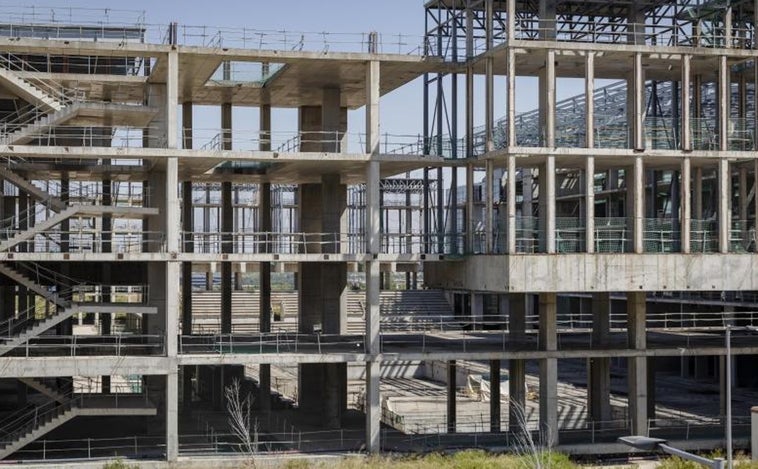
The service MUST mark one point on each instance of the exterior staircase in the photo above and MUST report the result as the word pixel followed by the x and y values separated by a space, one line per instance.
pixel 37 94
pixel 30 425
pixel 51 105
pixel 50 201
pixel 45 389
pixel 26 131
pixel 27 325
pixel 70 211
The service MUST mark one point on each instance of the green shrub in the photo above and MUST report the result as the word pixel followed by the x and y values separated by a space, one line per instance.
pixel 119 464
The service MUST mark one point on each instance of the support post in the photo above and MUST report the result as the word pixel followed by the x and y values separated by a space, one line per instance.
pixel 685 114
pixel 548 341
pixel 451 403
pixel 638 205
pixel 373 247
pixel 489 207
pixel 511 204
pixel 723 204
pixel 589 204
pixel 511 91
pixel 638 104
pixel 636 316
pixel 685 208
pixel 172 267
pixel 518 309
pixel 495 396
pixel 599 386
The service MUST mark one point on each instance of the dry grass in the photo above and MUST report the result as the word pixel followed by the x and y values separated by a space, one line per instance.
pixel 460 460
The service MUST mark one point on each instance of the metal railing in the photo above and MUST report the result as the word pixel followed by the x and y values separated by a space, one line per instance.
pixel 82 345
pixel 268 342
pixel 24 424
pixel 603 30
pixel 92 241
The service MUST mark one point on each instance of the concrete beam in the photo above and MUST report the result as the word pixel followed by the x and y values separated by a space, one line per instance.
pixel 598 272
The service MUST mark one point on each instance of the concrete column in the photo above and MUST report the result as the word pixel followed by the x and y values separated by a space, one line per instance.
pixel 743 205
pixel 494 396
pixel 322 285
pixel 451 403
pixel 227 227
pixel 685 114
pixel 589 103
pixel 589 168
pixel 547 205
pixel 264 310
pixel 550 99
pixel 638 205
pixel 266 226
pixel 511 205
pixel 188 227
pixel 373 407
pixel 724 181
pixel 372 107
pixel 172 416
pixel 754 432
pixel 638 104
pixel 636 20
pixel 333 122
pixel 488 209
pixel 511 91
pixel 373 246
pixel 637 372
pixel 511 18
pixel 548 369
pixel 724 101
pixel 489 80
pixel 589 204
pixel 599 376
pixel 470 235
pixel 547 24
pixel 686 204
pixel 172 269
pixel 519 306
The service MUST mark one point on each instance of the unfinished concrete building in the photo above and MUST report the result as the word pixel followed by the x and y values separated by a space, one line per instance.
pixel 569 271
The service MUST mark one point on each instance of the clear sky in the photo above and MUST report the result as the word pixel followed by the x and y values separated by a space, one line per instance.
pixel 401 111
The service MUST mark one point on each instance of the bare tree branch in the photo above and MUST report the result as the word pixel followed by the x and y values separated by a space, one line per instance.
pixel 239 410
